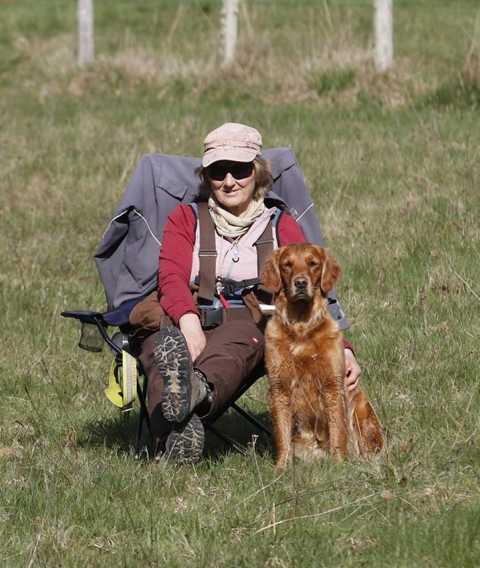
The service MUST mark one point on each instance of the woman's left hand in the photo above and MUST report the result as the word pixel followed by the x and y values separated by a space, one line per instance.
pixel 352 371
pixel 192 331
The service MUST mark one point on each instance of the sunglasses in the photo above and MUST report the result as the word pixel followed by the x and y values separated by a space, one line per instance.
pixel 239 170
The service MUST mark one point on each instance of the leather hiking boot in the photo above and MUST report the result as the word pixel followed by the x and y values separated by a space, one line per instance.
pixel 184 389
pixel 185 442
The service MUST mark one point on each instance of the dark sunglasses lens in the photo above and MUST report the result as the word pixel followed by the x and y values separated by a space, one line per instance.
pixel 217 172
pixel 239 170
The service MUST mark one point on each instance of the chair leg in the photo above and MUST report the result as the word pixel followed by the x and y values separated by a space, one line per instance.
pixel 250 419
pixel 143 417
pixel 138 442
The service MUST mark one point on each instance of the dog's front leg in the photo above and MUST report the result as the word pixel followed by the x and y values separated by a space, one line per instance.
pixel 282 426
pixel 334 397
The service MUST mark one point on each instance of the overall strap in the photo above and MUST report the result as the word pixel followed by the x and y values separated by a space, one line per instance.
pixel 266 241
pixel 264 246
pixel 207 254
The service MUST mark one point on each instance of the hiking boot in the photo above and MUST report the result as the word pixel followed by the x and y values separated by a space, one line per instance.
pixel 185 442
pixel 184 389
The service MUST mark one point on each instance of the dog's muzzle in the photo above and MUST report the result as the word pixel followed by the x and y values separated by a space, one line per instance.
pixel 301 289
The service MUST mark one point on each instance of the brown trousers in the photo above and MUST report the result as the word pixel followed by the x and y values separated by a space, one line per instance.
pixel 232 358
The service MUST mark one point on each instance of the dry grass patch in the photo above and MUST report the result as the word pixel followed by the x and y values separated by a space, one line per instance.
pixel 325 67
pixel 53 56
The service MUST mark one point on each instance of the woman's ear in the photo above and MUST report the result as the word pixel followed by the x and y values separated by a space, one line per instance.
pixel 330 273
pixel 270 276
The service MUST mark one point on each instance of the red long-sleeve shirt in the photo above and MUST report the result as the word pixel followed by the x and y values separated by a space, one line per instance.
pixel 175 264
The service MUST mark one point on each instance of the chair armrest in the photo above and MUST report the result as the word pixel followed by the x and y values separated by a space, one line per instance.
pixel 85 316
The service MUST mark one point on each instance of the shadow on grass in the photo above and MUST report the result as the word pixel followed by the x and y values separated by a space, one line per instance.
pixel 117 432
pixel 120 433
pixel 243 434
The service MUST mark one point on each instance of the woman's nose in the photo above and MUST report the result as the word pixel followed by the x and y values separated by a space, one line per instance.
pixel 229 180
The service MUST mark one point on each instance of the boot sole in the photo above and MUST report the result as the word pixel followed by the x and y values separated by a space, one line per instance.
pixel 185 442
pixel 175 366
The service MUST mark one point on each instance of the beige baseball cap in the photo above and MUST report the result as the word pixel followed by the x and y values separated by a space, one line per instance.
pixel 231 141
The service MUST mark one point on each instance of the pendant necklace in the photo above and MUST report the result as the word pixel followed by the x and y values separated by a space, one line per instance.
pixel 235 251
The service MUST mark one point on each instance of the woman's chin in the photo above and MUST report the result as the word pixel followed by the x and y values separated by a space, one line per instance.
pixel 232 204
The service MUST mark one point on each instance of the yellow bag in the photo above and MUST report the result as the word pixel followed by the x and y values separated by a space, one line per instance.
pixel 122 382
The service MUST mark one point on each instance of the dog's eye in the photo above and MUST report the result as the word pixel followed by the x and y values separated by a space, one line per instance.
pixel 287 265
pixel 313 263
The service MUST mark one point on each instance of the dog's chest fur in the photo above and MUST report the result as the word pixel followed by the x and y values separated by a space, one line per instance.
pixel 300 360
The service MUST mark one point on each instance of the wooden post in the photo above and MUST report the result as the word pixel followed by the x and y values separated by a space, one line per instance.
pixel 383 35
pixel 85 31
pixel 230 27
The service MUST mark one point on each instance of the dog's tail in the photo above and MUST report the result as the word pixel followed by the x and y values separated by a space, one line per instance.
pixel 366 425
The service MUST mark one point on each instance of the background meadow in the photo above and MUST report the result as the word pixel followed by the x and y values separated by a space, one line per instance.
pixel 393 164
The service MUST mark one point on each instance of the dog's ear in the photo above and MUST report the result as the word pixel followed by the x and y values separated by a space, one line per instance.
pixel 330 273
pixel 270 276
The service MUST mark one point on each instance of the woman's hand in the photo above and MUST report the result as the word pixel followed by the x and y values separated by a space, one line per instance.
pixel 192 330
pixel 352 371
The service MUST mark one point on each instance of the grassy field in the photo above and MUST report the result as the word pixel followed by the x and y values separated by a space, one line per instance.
pixel 393 163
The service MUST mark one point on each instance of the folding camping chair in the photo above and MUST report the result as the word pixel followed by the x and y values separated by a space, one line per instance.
pixel 94 333
pixel 127 263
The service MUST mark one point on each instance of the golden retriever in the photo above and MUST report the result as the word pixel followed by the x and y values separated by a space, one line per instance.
pixel 312 413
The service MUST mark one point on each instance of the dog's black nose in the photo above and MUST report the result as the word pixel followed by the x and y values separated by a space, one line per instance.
pixel 300 283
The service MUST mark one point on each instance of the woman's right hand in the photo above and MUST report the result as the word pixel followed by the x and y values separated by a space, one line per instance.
pixel 192 330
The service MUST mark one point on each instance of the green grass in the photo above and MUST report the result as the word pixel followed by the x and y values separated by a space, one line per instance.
pixel 393 163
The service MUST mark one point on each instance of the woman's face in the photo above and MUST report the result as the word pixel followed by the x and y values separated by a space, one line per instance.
pixel 232 184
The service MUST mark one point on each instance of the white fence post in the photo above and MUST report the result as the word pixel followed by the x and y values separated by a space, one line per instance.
pixel 383 35
pixel 230 28
pixel 85 31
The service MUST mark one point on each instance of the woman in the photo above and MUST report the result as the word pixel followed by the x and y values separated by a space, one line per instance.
pixel 193 372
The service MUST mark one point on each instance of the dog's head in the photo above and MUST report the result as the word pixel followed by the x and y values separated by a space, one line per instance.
pixel 299 271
